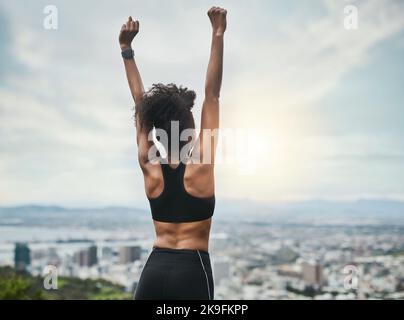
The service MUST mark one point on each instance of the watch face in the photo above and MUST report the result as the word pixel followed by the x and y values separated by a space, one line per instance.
pixel 127 54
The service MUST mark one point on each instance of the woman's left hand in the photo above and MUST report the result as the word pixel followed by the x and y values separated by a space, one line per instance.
pixel 128 31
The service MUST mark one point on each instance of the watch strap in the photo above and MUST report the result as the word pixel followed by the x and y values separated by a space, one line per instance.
pixel 127 53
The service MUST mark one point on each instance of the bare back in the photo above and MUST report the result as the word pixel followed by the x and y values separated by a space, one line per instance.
pixel 199 182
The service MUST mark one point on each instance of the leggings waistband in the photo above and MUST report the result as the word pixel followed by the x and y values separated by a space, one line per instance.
pixel 189 251
pixel 180 257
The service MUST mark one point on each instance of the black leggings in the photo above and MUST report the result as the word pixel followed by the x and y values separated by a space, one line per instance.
pixel 176 274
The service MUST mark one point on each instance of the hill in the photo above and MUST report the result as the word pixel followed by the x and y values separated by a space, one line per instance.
pixel 23 286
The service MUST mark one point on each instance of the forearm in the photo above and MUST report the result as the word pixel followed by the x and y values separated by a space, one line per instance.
pixel 215 67
pixel 134 79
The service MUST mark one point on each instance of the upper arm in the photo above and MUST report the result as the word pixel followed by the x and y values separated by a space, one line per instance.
pixel 210 113
pixel 208 136
pixel 143 143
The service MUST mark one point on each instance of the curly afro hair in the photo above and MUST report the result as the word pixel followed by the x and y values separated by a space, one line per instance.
pixel 162 104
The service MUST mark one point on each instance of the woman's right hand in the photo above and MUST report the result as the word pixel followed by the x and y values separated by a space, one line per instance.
pixel 217 18
pixel 128 31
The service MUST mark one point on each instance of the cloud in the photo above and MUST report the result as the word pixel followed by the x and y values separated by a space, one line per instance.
pixel 309 59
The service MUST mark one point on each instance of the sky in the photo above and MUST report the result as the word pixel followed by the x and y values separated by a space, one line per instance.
pixel 325 103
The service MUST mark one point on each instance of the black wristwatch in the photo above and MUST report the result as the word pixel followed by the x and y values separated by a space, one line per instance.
pixel 127 53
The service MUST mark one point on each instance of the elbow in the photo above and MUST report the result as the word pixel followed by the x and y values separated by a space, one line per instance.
pixel 211 100
pixel 212 96
pixel 143 158
pixel 137 98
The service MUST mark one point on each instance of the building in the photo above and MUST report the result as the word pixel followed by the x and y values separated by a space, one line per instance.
pixel 86 257
pixel 129 254
pixel 290 271
pixel 92 253
pixel 107 253
pixel 22 256
pixel 312 273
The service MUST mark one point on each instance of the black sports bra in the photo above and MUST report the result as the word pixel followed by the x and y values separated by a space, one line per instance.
pixel 175 204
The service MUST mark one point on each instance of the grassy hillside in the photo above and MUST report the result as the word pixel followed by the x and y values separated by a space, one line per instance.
pixel 21 285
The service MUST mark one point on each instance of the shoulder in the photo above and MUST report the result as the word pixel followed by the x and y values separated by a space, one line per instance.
pixel 199 179
pixel 199 169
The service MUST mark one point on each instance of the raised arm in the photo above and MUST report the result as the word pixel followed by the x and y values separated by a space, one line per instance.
pixel 128 31
pixel 213 82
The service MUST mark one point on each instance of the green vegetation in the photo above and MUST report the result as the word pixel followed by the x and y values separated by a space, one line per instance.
pixel 23 286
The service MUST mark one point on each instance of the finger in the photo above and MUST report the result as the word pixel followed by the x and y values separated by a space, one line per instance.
pixel 131 25
pixel 123 27
pixel 130 18
pixel 137 25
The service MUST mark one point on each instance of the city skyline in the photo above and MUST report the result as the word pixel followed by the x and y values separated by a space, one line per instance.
pixel 252 260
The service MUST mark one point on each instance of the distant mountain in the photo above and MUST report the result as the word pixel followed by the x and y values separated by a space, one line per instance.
pixel 61 216
pixel 311 212
pixel 363 211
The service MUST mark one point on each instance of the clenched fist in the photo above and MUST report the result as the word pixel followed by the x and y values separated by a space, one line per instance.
pixel 217 18
pixel 128 31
